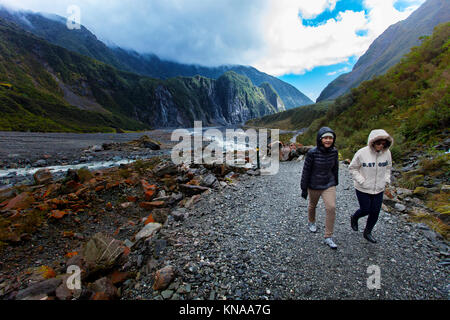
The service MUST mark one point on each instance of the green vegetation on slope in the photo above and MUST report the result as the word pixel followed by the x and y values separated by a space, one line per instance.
pixel 292 119
pixel 411 101
pixel 41 86
pixel 31 98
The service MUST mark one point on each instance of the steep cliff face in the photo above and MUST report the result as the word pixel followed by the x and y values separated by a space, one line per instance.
pixel 389 48
pixel 230 99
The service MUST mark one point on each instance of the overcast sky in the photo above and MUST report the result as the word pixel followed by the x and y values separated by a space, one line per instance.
pixel 291 39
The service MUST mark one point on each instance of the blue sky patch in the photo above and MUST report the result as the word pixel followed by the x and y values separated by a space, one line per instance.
pixel 311 83
pixel 401 5
pixel 362 33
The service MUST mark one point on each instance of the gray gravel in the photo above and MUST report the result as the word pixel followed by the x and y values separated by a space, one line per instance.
pixel 250 241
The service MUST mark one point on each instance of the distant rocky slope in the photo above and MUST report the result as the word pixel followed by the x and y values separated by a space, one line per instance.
pixel 389 48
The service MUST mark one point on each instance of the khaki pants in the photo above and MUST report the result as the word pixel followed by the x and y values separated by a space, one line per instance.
pixel 329 198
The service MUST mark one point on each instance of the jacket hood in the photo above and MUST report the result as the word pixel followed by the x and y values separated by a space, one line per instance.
pixel 321 132
pixel 379 134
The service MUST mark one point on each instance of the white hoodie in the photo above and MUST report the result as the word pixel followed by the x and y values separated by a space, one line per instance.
pixel 371 170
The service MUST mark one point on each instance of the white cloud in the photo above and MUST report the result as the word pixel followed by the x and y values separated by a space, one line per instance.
pixel 295 48
pixel 190 31
pixel 310 9
pixel 268 35
pixel 332 73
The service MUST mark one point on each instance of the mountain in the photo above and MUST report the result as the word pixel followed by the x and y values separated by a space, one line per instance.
pixel 411 102
pixel 53 29
pixel 45 87
pixel 390 47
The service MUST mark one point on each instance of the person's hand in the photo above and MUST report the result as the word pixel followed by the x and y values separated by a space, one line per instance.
pixel 304 194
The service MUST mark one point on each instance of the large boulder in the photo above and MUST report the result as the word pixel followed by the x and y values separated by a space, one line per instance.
pixel 100 254
pixel 22 201
pixel 43 176
pixel 39 290
pixel 209 180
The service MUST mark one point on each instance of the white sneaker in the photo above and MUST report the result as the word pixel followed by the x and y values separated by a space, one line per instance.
pixel 312 227
pixel 330 243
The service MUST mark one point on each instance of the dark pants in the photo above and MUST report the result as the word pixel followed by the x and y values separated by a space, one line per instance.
pixel 370 205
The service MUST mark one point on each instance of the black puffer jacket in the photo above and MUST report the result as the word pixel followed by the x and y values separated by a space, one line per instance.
pixel 321 167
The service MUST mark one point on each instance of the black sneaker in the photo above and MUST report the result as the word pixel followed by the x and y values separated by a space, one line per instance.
pixel 354 222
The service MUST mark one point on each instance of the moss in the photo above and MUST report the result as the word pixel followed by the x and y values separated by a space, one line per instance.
pixel 142 165
pixel 124 173
pixel 433 222
pixel 420 191
pixel 84 174
pixel 411 181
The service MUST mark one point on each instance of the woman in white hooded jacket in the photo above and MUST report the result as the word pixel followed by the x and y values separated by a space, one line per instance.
pixel 371 171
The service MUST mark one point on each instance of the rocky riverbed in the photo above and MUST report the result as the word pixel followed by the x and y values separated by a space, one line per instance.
pixel 154 230
pixel 34 149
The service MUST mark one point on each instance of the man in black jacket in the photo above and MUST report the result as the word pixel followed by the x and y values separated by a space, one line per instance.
pixel 320 178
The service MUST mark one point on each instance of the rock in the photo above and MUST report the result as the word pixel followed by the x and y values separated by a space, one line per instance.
pixel 145 142
pixel 160 215
pixel 96 148
pixel 45 287
pixel 119 277
pixel 304 150
pixel 256 172
pixel 165 168
pixel 160 245
pixel 192 189
pixel 166 294
pixel 102 252
pixel 178 215
pixel 400 207
pixel 126 205
pixel 103 289
pixel 148 231
pixel 175 197
pixel 22 201
pixel 404 193
pixel 445 188
pixel 72 175
pixel 151 205
pixel 390 202
pixel 38 274
pixel 63 293
pixel 209 180
pixel 7 192
pixel 420 191
pixel 230 175
pixel 163 277
pixel 40 163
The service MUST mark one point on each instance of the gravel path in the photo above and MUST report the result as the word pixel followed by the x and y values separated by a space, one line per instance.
pixel 250 241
